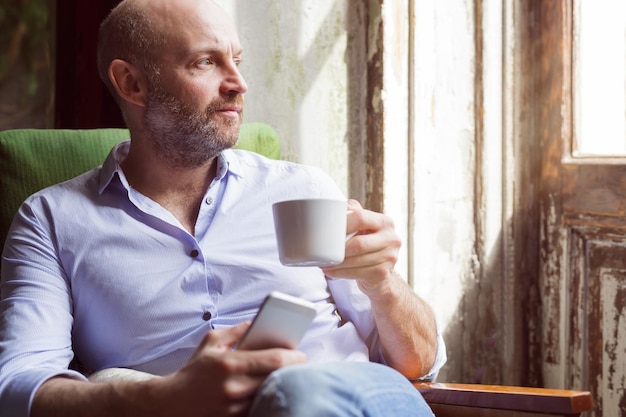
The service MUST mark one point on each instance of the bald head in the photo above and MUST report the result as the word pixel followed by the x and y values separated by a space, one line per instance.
pixel 140 32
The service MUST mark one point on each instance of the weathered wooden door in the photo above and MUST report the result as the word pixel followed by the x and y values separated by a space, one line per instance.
pixel 582 222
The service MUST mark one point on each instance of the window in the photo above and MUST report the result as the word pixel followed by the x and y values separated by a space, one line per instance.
pixel 599 55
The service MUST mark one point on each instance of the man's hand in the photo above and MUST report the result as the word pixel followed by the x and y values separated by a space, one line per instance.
pixel 405 323
pixel 223 382
pixel 216 381
pixel 372 253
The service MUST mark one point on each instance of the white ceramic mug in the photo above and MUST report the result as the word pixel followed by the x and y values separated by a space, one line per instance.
pixel 311 232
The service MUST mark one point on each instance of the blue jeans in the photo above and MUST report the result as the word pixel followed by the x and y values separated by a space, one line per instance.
pixel 345 389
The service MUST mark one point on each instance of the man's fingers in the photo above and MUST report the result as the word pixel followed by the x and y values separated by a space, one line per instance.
pixel 353 204
pixel 262 362
pixel 224 338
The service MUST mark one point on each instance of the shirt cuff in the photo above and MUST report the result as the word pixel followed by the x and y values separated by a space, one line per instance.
pixel 440 359
pixel 18 394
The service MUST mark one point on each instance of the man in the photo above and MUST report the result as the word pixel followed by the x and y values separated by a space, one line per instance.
pixel 158 260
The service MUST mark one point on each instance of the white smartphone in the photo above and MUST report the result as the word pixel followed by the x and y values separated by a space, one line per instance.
pixel 281 321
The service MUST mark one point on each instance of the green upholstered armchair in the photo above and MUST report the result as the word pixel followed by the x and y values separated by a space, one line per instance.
pixel 32 159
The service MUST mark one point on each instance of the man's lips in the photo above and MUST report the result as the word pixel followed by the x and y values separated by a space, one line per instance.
pixel 232 111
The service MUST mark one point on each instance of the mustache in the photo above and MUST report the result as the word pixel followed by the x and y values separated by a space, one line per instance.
pixel 221 103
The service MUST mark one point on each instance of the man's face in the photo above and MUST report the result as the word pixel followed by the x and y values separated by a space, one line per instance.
pixel 195 104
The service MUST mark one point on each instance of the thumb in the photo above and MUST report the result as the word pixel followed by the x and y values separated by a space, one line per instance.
pixel 354 204
pixel 226 337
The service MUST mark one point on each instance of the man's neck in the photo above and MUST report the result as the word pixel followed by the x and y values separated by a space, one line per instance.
pixel 179 190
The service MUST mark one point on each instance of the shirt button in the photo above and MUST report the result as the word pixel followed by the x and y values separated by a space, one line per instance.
pixel 206 316
pixel 209 200
pixel 194 253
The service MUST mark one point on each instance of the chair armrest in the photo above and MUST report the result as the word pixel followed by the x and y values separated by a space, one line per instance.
pixel 512 398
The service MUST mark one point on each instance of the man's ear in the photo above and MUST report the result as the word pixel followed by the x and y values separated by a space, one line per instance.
pixel 128 81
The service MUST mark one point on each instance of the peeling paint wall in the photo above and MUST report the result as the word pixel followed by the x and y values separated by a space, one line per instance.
pixel 444 168
pixel 396 118
pixel 295 66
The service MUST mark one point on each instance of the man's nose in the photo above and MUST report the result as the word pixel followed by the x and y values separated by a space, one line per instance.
pixel 234 81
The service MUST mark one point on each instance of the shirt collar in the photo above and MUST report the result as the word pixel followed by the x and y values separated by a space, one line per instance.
pixel 227 161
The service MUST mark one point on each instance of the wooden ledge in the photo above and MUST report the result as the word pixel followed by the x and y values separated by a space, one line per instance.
pixel 530 400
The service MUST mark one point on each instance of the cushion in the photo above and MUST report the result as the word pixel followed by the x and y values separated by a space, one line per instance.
pixel 32 159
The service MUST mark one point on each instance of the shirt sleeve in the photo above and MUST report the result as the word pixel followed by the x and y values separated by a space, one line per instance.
pixel 35 314
pixel 354 306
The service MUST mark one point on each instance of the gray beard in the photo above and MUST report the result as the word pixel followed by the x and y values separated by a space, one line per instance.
pixel 185 138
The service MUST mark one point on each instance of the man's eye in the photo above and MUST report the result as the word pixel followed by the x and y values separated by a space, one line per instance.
pixel 205 61
pixel 237 61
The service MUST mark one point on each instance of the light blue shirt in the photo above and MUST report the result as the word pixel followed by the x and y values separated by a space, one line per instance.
pixel 94 267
